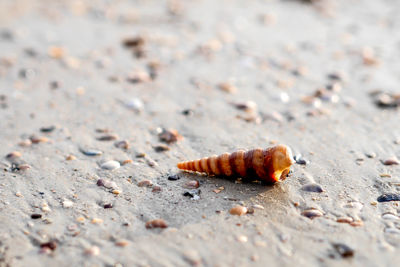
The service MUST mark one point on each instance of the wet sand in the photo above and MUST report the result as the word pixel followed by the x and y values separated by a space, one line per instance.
pixel 308 67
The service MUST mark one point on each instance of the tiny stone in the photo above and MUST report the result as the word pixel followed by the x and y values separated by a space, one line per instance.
pixel 370 155
pixel 158 223
pixel 52 245
pixel 156 189
pixel 48 129
pixel 25 143
pixel 389 197
pixel 391 161
pixel 170 136
pixel 312 213
pixel 385 175
pixel 192 184
pixel 147 183
pixel 13 155
pixel 39 139
pixel 122 144
pixel 300 160
pixel 122 243
pixel 238 210
pixel 344 220
pixel 93 251
pixel 192 256
pixel 242 238
pixel 97 221
pixel 67 203
pixel 91 152
pixel 108 206
pixel 344 250
pixel 110 165
pixel 135 104
pixel 194 194
pixel 161 148
pixel 116 192
pixel 316 188
pixel 258 207
pixel 70 157
pixel 173 177
pixel 109 137
pixel 36 216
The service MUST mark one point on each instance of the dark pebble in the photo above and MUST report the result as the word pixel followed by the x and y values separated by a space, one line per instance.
pixel 47 129
pixel 300 160
pixel 187 112
pixel 161 148
pixel 36 216
pixel 344 250
pixel 100 182
pixel 173 177
pixel 50 245
pixel 108 206
pixel 193 194
pixel 316 188
pixel 389 197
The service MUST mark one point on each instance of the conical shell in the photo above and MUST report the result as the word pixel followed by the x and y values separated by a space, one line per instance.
pixel 268 165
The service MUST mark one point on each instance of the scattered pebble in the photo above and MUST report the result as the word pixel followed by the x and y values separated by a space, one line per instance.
pixel 108 137
pixel 156 188
pixel 70 157
pixel 143 183
pixel 135 104
pixel 169 136
pixel 312 188
pixel 122 243
pixel 107 184
pixel 343 250
pixel 242 238
pixel 370 155
pixel 344 220
pixel 385 175
pixel 161 148
pixel 300 160
pixel 92 251
pixel 38 139
pixel 122 144
pixel 25 143
pixel 391 161
pixel 227 87
pixel 108 206
pixel 110 165
pixel 192 184
pixel 36 216
pixel 13 155
pixel 194 194
pixel 173 177
pixel 248 106
pixel 91 152
pixel 312 213
pixel 390 216
pixel 51 245
pixel 67 203
pixel 97 221
pixel 238 210
pixel 48 129
pixel 389 197
pixel 158 223
pixel 386 100
pixel 192 257
pixel 139 76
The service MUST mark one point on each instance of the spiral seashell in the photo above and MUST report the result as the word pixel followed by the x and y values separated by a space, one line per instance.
pixel 269 165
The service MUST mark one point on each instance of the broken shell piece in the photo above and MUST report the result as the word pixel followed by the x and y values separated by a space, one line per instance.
pixel 269 165
pixel 170 136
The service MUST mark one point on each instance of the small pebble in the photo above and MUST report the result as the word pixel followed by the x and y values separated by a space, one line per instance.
pixel 192 257
pixel 92 251
pixel 300 160
pixel 391 161
pixel 227 87
pixel 343 250
pixel 194 194
pixel 173 177
pixel 25 143
pixel 122 243
pixel 169 136
pixel 370 155
pixel 97 221
pixel 110 165
pixel 135 104
pixel 242 238
pixel 13 155
pixel 48 129
pixel 238 210
pixel 389 216
pixel 147 183
pixel 161 148
pixel 51 245
pixel 316 188
pixel 67 203
pixel 385 175
pixel 248 106
pixel 91 152
pixel 36 216
pixel 156 188
pixel 38 139
pixel 158 223
pixel 108 206
pixel 70 157
pixel 312 213
pixel 122 144
pixel 108 137
pixel 389 197
pixel 192 184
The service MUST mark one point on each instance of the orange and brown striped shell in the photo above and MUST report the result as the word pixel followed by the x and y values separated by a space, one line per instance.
pixel 268 165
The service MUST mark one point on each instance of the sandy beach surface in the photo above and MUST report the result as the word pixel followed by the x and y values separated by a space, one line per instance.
pixel 91 93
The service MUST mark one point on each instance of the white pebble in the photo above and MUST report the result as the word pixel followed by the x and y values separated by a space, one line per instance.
pixel 67 203
pixel 110 165
pixel 135 104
